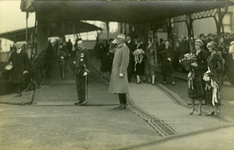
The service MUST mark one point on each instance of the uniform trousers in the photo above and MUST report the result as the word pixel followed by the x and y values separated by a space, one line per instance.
pixel 80 86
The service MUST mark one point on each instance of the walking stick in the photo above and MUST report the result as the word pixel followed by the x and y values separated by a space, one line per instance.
pixel 86 88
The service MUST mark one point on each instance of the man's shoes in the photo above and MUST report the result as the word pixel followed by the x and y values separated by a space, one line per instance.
pixel 78 102
pixel 118 107
pixel 211 113
pixel 123 107
pixel 84 103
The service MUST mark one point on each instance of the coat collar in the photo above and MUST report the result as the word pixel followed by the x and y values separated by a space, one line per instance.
pixel 120 45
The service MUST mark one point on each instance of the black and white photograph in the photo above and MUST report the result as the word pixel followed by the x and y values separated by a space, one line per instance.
pixel 116 75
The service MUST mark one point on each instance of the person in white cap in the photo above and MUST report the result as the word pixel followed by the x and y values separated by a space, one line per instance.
pixel 20 61
pixel 82 63
pixel 119 76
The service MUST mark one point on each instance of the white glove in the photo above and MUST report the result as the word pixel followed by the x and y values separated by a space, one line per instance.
pixel 169 59
pixel 25 71
pixel 74 62
pixel 85 74
pixel 121 75
pixel 194 64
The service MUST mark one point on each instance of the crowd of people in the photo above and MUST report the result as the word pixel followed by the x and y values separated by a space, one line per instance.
pixel 205 65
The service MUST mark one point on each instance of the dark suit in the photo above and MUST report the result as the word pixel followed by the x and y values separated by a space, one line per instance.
pixel 20 63
pixel 131 45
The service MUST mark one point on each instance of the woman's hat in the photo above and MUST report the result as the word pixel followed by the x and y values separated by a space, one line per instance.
pixel 213 45
pixel 199 42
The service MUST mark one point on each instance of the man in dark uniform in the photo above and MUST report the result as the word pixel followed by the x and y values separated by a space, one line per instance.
pixel 82 62
pixel 20 62
pixel 131 45
pixel 63 54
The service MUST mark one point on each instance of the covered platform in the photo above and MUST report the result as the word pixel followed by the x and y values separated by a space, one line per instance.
pixel 141 18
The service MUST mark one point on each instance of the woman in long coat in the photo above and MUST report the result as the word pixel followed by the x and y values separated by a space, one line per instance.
pixel 19 60
pixel 149 63
pixel 214 74
pixel 195 83
pixel 119 76
pixel 166 56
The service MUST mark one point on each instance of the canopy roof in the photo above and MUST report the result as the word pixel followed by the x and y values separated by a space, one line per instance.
pixel 79 27
pixel 121 11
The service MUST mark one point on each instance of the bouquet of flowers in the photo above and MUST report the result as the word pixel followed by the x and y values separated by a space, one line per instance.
pixel 187 60
pixel 138 52
pixel 139 55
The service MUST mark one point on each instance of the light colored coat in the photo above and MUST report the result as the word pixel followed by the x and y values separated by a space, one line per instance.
pixel 120 64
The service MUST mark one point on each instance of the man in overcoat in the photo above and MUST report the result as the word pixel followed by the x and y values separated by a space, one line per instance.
pixel 119 75
pixel 20 62
pixel 82 64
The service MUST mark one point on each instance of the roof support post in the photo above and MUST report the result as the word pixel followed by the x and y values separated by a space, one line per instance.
pixel 189 23
pixel 219 23
pixel 121 27
pixel 26 36
pixel 169 29
pixel 108 30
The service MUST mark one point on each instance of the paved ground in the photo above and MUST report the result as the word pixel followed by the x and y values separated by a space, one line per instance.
pixel 156 118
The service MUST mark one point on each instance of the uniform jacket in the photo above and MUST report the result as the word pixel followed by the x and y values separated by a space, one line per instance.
pixel 20 63
pixel 83 60
pixel 120 65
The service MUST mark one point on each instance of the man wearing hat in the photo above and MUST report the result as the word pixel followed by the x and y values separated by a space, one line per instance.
pixel 119 76
pixel 82 63
pixel 131 45
pixel 19 60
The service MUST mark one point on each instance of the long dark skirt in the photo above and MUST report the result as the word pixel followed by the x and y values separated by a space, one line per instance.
pixel 196 88
pixel 139 68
